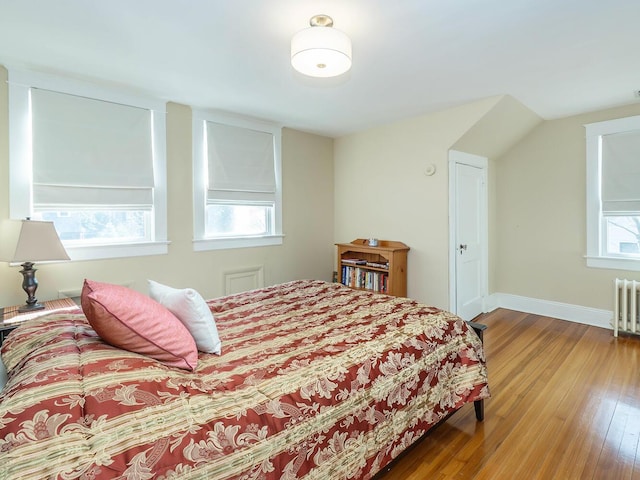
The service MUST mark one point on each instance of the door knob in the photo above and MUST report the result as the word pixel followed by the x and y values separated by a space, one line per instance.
pixel 462 247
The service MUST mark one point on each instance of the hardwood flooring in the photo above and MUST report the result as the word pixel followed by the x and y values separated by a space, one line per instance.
pixel 565 404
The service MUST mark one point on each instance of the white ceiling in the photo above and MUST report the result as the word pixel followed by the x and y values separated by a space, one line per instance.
pixel 557 57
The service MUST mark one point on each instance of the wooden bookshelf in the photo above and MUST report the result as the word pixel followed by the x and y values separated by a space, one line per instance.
pixel 382 268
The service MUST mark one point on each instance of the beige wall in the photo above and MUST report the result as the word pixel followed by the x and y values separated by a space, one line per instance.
pixel 307 252
pixel 371 184
pixel 540 217
pixel 381 191
pixel 506 124
pixel 537 219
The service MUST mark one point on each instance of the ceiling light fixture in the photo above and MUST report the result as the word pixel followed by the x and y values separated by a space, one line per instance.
pixel 321 50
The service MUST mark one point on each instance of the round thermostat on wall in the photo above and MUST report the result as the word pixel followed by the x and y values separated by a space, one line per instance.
pixel 430 170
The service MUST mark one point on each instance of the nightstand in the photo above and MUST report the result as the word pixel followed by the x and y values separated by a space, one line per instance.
pixel 11 318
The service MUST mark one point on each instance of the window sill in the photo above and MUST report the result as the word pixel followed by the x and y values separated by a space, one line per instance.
pixel 202 245
pixel 613 263
pixel 99 252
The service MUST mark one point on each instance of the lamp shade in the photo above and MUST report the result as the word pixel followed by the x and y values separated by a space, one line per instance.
pixel 321 51
pixel 39 242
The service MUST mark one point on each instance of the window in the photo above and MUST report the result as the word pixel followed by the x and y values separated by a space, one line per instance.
pixel 236 178
pixel 613 194
pixel 92 161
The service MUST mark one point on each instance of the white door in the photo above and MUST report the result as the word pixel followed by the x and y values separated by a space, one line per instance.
pixel 469 233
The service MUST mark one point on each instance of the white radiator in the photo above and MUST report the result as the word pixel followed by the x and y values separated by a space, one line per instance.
pixel 626 307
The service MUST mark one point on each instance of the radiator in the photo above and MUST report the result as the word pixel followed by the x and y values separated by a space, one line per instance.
pixel 626 307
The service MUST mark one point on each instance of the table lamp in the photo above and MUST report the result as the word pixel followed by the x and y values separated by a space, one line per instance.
pixel 38 242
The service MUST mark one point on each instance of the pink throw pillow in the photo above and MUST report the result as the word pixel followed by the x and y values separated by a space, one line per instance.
pixel 132 321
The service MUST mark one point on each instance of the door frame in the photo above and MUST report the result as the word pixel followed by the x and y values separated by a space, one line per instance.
pixel 458 157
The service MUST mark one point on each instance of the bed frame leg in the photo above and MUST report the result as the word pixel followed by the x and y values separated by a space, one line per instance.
pixel 479 404
pixel 479 407
pixel 479 328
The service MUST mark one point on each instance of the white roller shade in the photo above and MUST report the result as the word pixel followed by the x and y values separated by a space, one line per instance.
pixel 90 152
pixel 240 160
pixel 56 197
pixel 621 173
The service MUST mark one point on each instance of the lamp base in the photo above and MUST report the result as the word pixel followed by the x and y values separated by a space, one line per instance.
pixel 30 285
pixel 31 308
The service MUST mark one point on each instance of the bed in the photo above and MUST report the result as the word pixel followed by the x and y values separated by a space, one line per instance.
pixel 315 381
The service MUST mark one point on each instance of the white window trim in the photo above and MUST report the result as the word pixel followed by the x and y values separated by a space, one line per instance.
pixel 20 157
pixel 594 132
pixel 200 243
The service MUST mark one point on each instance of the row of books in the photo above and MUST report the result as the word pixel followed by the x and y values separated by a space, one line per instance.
pixel 356 277
pixel 361 261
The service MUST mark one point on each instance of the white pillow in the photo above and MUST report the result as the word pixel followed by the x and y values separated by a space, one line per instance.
pixel 189 306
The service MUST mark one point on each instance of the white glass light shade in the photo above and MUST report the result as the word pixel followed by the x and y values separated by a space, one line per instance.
pixel 321 52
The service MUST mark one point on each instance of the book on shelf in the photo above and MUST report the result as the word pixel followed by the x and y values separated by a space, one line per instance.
pixel 354 261
pixel 384 265
pixel 356 277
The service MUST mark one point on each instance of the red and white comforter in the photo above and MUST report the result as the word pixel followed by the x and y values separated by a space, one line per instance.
pixel 315 381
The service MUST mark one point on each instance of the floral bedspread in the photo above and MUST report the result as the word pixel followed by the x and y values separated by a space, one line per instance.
pixel 315 381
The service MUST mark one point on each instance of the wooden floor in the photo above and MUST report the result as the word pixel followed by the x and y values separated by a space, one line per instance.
pixel 565 404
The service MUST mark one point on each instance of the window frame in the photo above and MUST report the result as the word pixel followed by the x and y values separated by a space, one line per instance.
pixel 200 178
pixel 596 230
pixel 21 166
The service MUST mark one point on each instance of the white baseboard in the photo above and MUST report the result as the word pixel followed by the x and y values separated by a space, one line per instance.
pixel 547 308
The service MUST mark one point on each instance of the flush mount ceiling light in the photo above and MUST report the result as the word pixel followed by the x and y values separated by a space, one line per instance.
pixel 321 50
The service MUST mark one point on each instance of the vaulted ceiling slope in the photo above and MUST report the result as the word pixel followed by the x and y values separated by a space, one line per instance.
pixel 556 57
pixel 503 125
